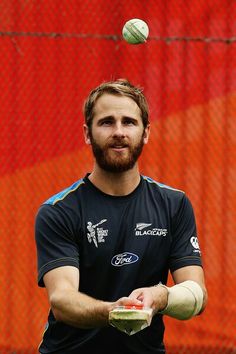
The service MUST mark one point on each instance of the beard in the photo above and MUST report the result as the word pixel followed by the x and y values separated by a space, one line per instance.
pixel 110 162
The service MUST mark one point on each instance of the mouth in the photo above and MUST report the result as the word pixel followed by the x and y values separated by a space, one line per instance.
pixel 118 147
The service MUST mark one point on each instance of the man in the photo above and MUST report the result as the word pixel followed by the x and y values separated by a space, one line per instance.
pixel 110 239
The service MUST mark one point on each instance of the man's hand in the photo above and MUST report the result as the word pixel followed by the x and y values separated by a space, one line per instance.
pixel 154 297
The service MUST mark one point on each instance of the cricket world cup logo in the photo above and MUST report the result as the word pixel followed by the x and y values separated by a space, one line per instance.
pixel 95 233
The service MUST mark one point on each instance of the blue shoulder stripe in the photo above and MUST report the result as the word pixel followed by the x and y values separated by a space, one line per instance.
pixel 61 195
pixel 161 185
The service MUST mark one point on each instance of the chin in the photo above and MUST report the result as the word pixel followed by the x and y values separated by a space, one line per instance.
pixel 117 167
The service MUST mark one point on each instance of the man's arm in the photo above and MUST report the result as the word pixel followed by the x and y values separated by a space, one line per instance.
pixel 73 307
pixel 157 297
pixel 194 273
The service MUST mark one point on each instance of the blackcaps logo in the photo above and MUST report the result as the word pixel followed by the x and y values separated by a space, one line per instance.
pixel 143 229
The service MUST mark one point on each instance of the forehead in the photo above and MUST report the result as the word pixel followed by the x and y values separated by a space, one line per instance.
pixel 110 105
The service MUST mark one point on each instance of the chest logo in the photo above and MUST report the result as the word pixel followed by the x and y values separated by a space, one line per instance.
pixel 123 259
pixel 144 229
pixel 96 233
pixel 141 225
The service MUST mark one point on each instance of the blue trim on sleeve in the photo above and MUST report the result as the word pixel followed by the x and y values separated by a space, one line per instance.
pixel 161 185
pixel 61 195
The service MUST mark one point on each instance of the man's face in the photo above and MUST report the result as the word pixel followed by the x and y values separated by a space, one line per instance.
pixel 117 134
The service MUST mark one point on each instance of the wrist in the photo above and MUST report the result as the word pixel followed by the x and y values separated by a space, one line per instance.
pixel 161 297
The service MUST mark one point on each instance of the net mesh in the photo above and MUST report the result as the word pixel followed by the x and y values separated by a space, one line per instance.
pixel 52 53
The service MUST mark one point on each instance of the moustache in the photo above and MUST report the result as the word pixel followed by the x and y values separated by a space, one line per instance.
pixel 117 143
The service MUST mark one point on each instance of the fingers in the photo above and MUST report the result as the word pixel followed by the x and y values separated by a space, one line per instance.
pixel 147 296
pixel 137 295
pixel 143 295
pixel 128 301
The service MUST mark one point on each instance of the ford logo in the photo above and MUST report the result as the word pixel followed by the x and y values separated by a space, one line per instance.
pixel 125 258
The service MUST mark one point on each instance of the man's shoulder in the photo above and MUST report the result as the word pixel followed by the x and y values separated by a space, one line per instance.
pixel 162 188
pixel 65 193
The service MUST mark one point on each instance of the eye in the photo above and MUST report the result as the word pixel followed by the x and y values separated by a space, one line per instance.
pixel 106 122
pixel 129 121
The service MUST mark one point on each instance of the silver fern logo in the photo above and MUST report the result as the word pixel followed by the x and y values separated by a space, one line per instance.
pixel 141 225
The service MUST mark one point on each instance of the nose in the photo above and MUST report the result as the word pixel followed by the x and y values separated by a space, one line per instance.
pixel 118 130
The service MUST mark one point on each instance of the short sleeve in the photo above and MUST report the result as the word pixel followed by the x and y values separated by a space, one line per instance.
pixel 55 242
pixel 185 250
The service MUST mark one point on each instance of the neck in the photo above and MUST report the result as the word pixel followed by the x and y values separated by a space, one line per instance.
pixel 116 184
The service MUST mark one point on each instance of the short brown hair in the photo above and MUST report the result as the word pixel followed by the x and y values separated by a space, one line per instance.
pixel 119 87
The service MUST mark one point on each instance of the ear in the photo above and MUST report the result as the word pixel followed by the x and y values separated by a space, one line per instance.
pixel 86 134
pixel 146 134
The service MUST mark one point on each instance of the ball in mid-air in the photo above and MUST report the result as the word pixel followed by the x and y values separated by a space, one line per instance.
pixel 135 31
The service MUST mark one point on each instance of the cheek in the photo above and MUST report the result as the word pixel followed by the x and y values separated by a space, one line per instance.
pixel 100 138
pixel 139 136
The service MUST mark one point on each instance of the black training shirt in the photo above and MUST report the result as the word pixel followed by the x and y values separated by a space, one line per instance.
pixel 119 244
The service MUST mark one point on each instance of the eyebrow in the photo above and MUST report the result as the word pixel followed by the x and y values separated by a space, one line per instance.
pixel 112 118
pixel 106 117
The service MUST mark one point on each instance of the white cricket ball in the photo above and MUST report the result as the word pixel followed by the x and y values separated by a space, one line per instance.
pixel 135 31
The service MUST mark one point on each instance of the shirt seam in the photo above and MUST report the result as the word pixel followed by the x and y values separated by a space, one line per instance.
pixel 55 261
pixel 184 258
